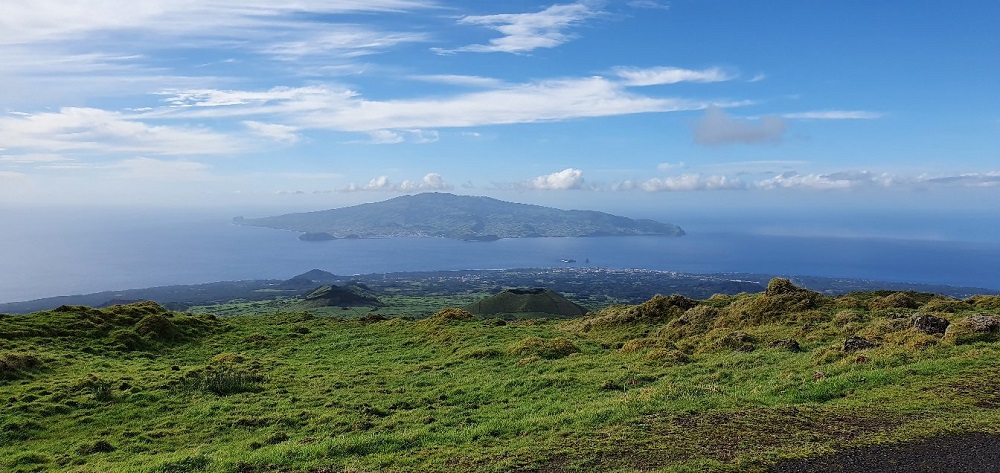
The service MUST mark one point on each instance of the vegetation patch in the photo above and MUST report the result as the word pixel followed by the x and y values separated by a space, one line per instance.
pixel 725 384
pixel 448 316
pixel 15 365
pixel 544 348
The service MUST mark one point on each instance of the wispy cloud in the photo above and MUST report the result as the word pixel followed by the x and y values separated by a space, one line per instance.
pixel 648 4
pixel 669 166
pixel 834 115
pixel 525 32
pixel 718 128
pixel 344 41
pixel 839 180
pixel 988 179
pixel 54 20
pixel 460 80
pixel 79 48
pixel 849 180
pixel 632 76
pixel 95 130
pixel 274 131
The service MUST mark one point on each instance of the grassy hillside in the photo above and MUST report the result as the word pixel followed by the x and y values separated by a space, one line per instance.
pixel 731 383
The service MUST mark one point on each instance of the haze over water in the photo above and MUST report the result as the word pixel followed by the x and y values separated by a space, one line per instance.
pixel 67 252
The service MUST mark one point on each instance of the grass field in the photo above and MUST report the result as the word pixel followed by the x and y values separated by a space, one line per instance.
pixel 731 383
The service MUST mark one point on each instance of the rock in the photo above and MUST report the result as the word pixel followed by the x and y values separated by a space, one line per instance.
pixel 930 324
pixel 788 343
pixel 983 323
pixel 857 343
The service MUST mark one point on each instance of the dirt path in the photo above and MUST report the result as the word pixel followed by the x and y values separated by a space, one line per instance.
pixel 962 453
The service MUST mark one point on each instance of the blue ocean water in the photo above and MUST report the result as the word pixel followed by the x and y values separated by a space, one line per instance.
pixel 75 254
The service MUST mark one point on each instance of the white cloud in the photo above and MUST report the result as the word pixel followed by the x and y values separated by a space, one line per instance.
pixel 95 130
pixel 670 75
pixel 385 137
pixel 274 131
pixel 563 180
pixel 717 128
pixel 430 182
pixel 525 103
pixel 424 136
pixel 524 32
pixel 689 182
pixel 345 110
pixel 834 115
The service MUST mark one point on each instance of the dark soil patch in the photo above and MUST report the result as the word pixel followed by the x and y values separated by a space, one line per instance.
pixel 725 437
pixel 966 453
pixel 983 390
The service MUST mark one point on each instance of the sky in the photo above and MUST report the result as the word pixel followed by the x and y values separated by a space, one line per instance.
pixel 643 104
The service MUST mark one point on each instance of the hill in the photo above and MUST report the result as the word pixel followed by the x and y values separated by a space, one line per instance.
pixel 537 302
pixel 348 295
pixel 750 383
pixel 459 217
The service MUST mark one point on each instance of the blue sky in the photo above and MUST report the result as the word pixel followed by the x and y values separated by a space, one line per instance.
pixel 604 104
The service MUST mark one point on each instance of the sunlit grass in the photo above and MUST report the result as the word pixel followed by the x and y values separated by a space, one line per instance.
pixel 630 391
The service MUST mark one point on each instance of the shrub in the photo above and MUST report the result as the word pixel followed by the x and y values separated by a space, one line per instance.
pixel 695 321
pixel 544 348
pixel 157 326
pixel 100 446
pixel 895 300
pixel 639 344
pixel 137 309
pixel 228 359
pixel 15 365
pixel 782 286
pixel 945 305
pixel 448 315
pixel 227 381
pixel 991 303
pixel 666 356
pixel 974 328
pixel 127 340
pixel 721 339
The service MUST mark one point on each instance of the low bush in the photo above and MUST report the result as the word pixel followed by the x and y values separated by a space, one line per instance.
pixel 449 315
pixel 226 381
pixel 544 348
pixel 15 365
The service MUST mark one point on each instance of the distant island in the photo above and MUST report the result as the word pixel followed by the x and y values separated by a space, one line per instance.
pixel 458 217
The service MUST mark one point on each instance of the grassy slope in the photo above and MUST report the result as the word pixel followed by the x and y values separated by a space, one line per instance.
pixel 668 385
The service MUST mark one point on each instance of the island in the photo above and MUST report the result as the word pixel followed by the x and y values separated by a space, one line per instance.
pixel 460 217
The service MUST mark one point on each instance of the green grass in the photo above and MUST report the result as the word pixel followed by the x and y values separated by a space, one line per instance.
pixel 665 386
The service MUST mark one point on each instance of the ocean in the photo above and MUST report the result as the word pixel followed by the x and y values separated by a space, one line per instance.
pixel 71 253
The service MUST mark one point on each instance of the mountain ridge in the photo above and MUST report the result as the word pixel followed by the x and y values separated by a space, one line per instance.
pixel 473 218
